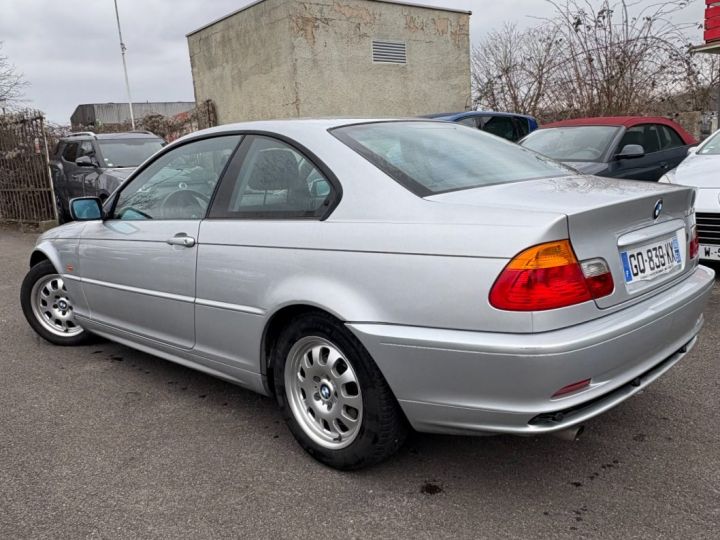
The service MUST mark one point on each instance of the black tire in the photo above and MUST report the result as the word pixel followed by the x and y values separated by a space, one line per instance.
pixel 36 273
pixel 383 427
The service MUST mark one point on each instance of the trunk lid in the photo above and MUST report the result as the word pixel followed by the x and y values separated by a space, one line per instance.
pixel 607 218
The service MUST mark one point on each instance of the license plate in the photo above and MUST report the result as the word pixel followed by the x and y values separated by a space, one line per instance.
pixel 651 260
pixel 710 252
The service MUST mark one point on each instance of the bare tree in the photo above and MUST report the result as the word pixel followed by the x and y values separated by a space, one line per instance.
pixel 512 69
pixel 11 83
pixel 591 58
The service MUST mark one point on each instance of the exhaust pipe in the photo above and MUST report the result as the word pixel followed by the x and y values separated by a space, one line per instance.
pixel 569 434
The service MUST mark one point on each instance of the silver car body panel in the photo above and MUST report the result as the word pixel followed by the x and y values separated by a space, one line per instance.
pixel 409 276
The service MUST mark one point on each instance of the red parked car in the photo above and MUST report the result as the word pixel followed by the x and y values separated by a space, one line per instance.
pixel 634 147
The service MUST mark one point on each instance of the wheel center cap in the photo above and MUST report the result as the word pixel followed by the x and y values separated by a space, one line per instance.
pixel 62 304
pixel 325 391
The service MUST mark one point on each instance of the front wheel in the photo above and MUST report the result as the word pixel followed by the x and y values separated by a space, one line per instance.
pixel 48 307
pixel 334 398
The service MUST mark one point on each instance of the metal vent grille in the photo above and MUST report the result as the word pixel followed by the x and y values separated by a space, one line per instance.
pixel 389 52
pixel 708 226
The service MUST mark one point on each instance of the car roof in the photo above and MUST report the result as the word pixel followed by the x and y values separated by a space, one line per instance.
pixel 624 121
pixel 467 114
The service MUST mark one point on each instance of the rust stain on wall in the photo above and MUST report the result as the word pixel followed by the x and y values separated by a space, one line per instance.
pixel 358 13
pixel 460 32
pixel 414 24
pixel 441 26
pixel 306 27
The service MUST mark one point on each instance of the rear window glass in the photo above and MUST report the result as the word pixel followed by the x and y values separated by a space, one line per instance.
pixel 436 157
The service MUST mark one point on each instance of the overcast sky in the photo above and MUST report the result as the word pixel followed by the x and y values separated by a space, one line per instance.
pixel 68 49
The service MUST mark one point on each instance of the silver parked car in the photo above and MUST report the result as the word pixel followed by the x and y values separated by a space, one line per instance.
pixel 701 170
pixel 375 275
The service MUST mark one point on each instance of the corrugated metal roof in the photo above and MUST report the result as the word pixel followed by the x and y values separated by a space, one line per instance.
pixel 397 2
pixel 118 113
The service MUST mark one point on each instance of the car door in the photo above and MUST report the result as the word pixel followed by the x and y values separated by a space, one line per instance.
pixel 138 265
pixel 73 187
pixel 271 192
pixel 650 165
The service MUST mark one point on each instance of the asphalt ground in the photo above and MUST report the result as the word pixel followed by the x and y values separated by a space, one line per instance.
pixel 102 441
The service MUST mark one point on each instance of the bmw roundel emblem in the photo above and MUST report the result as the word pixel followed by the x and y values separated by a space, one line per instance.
pixel 658 209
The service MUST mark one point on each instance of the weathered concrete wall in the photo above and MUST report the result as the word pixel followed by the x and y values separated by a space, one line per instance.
pixel 332 44
pixel 286 58
pixel 242 63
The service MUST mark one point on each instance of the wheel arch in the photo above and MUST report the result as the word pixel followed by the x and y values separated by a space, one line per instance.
pixel 42 253
pixel 276 322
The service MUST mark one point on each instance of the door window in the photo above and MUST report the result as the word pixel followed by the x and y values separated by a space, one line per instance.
pixel 502 126
pixel 70 152
pixel 274 180
pixel 179 183
pixel 646 135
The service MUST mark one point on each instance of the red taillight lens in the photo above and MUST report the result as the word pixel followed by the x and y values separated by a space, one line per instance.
pixel 694 242
pixel 549 276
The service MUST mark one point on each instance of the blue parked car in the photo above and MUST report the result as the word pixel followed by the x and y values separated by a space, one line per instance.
pixel 510 126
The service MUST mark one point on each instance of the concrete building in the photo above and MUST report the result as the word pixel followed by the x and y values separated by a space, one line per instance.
pixel 290 58
pixel 118 114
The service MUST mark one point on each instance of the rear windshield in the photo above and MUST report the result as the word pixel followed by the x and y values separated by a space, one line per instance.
pixel 128 152
pixel 436 157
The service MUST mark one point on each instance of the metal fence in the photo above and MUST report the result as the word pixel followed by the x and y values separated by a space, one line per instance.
pixel 26 194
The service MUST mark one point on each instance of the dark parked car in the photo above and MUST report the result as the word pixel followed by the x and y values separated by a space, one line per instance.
pixel 510 126
pixel 634 147
pixel 94 165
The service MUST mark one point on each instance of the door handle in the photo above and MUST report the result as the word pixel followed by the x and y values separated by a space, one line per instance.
pixel 181 239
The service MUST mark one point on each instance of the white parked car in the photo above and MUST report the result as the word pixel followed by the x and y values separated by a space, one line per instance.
pixel 701 169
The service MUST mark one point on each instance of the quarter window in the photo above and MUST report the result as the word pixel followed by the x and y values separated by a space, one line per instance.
pixel 670 138
pixel 179 183
pixel 273 180
pixel 470 122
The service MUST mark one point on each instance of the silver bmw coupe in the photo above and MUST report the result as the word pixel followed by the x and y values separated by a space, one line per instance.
pixel 379 275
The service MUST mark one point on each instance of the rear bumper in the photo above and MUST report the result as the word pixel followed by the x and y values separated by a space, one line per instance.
pixel 450 381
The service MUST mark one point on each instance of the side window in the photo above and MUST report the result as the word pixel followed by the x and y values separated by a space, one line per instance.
pixel 70 152
pixel 645 135
pixel 273 180
pixel 670 138
pixel 85 149
pixel 178 184
pixel 470 122
pixel 522 126
pixel 502 126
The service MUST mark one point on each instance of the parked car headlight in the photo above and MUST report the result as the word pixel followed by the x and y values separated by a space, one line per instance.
pixel 668 177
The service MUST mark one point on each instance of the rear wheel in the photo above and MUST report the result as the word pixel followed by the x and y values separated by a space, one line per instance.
pixel 334 398
pixel 48 307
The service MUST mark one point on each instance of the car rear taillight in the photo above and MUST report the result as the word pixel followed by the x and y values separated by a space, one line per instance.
pixel 549 276
pixel 694 242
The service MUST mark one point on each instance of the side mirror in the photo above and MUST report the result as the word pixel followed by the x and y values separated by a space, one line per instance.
pixel 692 150
pixel 86 209
pixel 631 151
pixel 84 161
pixel 320 188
